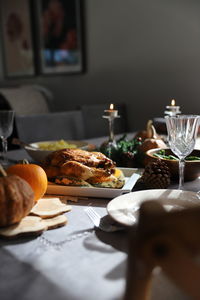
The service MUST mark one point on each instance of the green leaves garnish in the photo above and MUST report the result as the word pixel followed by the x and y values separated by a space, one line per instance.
pixel 162 154
pixel 125 145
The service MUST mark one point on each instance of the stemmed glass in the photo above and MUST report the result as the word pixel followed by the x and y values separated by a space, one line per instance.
pixel 6 128
pixel 182 133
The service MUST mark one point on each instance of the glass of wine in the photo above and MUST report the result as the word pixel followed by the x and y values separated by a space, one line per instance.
pixel 182 133
pixel 6 128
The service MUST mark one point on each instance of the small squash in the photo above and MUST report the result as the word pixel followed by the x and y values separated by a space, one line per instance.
pixel 16 199
pixel 33 174
pixel 152 140
pixel 147 133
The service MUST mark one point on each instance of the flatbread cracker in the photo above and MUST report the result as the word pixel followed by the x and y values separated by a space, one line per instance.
pixel 56 222
pixel 29 225
pixel 49 207
pixel 32 226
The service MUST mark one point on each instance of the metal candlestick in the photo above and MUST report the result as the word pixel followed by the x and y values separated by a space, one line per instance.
pixel 110 145
pixel 172 110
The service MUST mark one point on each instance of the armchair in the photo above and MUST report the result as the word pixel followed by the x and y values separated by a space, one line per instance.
pixel 25 100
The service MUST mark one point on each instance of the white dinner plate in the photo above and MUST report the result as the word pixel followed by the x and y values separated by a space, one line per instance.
pixel 124 209
pixel 131 177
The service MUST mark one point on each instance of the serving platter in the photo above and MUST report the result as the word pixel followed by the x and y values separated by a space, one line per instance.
pixel 131 177
pixel 38 154
pixel 124 209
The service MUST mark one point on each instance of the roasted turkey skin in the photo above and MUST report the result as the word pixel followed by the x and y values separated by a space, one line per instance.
pixel 90 159
pixel 78 163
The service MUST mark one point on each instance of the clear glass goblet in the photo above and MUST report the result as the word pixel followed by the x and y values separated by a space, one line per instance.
pixel 6 128
pixel 182 133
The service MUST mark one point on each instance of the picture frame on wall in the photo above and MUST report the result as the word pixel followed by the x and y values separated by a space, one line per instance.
pixel 60 36
pixel 18 53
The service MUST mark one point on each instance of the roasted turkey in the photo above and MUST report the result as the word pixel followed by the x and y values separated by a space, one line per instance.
pixel 72 166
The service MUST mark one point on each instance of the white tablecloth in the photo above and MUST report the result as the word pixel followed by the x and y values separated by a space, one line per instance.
pixel 74 262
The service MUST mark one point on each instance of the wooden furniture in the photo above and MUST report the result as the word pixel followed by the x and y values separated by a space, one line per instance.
pixel 170 240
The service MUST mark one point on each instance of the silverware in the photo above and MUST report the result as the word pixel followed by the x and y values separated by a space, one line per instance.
pixel 104 223
pixel 16 141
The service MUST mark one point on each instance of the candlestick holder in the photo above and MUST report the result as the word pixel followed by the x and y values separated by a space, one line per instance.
pixel 172 110
pixel 109 147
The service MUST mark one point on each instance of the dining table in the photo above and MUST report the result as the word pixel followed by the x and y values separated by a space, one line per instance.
pixel 77 261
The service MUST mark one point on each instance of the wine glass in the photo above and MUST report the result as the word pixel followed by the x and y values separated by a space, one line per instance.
pixel 182 133
pixel 6 128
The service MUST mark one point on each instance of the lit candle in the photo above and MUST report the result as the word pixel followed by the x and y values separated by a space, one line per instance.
pixel 112 112
pixel 173 109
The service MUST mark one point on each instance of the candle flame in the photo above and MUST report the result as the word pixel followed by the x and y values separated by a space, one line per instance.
pixel 111 106
pixel 173 102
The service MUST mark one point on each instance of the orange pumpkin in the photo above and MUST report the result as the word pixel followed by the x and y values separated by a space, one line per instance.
pixel 34 175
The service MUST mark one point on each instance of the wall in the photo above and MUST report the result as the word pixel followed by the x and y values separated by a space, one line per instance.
pixel 140 52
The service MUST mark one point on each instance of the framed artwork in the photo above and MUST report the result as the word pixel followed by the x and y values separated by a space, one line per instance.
pixel 60 36
pixel 18 55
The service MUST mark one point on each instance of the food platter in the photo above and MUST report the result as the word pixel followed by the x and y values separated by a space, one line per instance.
pixel 37 153
pixel 124 209
pixel 131 177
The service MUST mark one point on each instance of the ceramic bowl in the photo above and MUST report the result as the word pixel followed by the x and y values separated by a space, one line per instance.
pixel 192 168
pixel 38 155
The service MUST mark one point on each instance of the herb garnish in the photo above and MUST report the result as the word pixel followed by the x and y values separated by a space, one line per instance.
pixel 162 154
